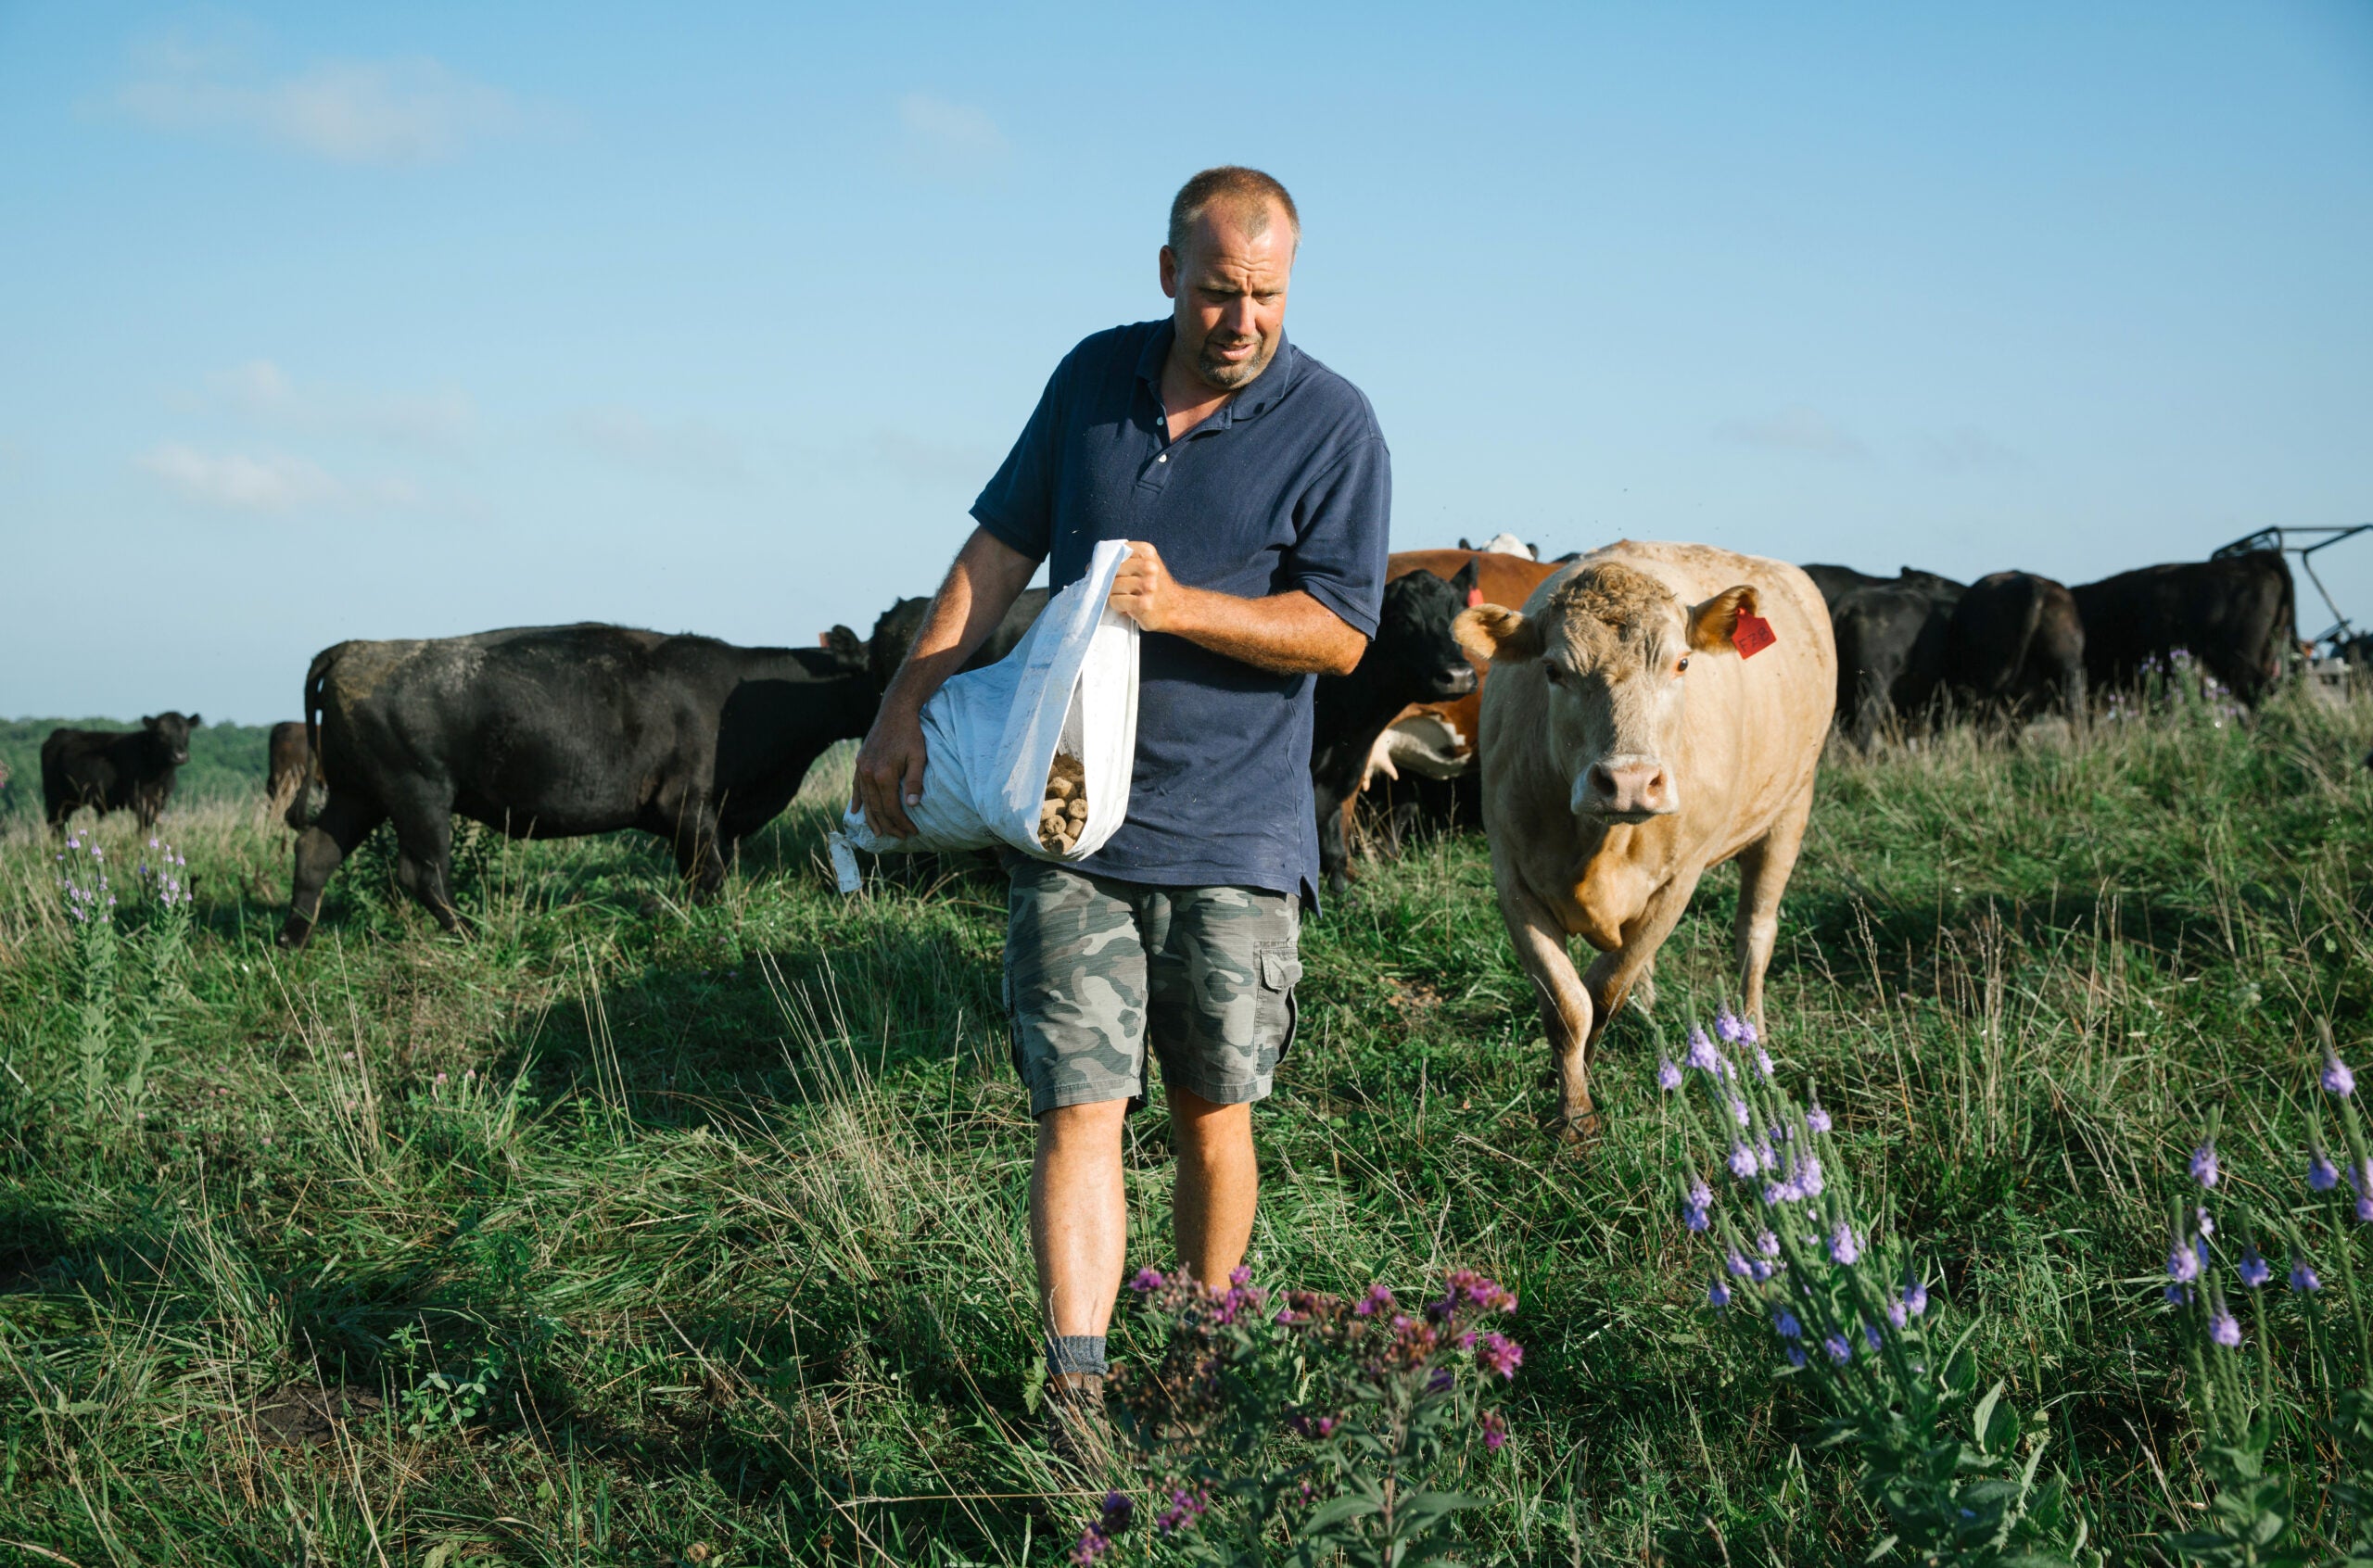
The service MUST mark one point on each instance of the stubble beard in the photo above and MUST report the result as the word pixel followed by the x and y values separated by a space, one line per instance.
pixel 1231 375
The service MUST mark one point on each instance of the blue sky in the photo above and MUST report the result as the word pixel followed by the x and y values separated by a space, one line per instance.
pixel 327 321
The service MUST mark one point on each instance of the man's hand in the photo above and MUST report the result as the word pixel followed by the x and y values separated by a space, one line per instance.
pixel 1289 633
pixel 1144 591
pixel 978 590
pixel 890 770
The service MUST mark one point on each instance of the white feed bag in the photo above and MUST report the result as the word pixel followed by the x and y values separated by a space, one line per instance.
pixel 991 735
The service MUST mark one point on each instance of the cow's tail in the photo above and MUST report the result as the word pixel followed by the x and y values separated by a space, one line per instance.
pixel 315 673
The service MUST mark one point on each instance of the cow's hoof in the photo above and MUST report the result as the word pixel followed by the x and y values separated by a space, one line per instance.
pixel 294 935
pixel 1575 1129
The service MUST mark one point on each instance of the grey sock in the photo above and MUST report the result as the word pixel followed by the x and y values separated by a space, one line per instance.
pixel 1075 1353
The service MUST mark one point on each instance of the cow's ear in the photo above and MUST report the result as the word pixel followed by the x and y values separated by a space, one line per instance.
pixel 845 648
pixel 1464 580
pixel 1494 633
pixel 195 721
pixel 148 721
pixel 1712 624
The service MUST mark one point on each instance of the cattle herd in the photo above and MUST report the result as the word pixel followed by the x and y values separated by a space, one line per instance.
pixel 1603 795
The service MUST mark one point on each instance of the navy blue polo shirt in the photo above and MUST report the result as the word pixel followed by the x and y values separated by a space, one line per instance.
pixel 1289 485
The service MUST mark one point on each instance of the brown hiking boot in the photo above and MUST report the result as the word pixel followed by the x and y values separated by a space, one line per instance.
pixel 1079 1433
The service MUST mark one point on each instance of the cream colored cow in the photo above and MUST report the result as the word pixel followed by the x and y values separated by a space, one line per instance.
pixel 1627 746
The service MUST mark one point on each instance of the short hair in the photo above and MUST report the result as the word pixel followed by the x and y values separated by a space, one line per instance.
pixel 1235 184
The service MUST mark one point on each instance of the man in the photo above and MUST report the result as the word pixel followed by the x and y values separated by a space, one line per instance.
pixel 1254 486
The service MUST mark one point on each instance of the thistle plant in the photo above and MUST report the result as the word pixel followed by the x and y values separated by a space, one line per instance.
pixel 90 902
pixel 1803 1271
pixel 1312 1430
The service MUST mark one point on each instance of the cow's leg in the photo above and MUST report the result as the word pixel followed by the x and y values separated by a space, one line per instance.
pixel 424 855
pixel 1334 841
pixel 345 822
pixel 1566 1013
pixel 699 850
pixel 1613 975
pixel 1763 877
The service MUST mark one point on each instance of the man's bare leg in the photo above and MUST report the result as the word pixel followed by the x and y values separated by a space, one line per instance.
pixel 1218 1183
pixel 1079 1216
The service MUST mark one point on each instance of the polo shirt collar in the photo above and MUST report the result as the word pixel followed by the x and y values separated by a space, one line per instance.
pixel 1265 394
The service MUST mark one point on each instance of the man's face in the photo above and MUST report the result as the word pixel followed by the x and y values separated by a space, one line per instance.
pixel 1230 289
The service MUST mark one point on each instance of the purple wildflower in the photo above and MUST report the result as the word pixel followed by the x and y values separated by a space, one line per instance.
pixel 2254 1270
pixel 1742 1162
pixel 1844 1247
pixel 1717 1296
pixel 1810 1178
pixel 2303 1278
pixel 1141 1281
pixel 1377 1299
pixel 2183 1265
pixel 1701 1051
pixel 1726 1024
pixel 1184 1507
pixel 1777 1192
pixel 2322 1174
pixel 1897 1314
pixel 1738 1112
pixel 1871 1337
pixel 1784 1325
pixel 1495 1430
pixel 2338 1080
pixel 2204 1165
pixel 2223 1329
pixel 1738 1265
pixel 2207 1225
pixel 1499 1354
pixel 1694 1205
pixel 2178 1295
pixel 1816 1117
pixel 1795 1355
pixel 1667 1075
pixel 1767 1243
pixel 1915 1297
pixel 1096 1539
pixel 1763 1063
pixel 1839 1351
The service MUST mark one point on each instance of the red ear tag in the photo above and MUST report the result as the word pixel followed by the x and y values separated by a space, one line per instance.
pixel 1474 598
pixel 1752 634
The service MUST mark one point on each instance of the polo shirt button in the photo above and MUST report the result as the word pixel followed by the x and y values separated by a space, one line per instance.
pixel 1164 458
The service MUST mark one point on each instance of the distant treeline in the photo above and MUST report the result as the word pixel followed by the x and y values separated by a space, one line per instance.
pixel 226 762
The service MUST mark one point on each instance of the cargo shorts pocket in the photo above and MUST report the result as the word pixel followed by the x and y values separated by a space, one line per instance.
pixel 1275 1013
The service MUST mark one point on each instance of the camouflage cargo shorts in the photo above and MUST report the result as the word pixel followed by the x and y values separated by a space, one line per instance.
pixel 1095 968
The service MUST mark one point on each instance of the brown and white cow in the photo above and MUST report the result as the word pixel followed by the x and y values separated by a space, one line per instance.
pixel 1629 742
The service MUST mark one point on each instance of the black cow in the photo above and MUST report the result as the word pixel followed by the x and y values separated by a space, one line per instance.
pixel 1836 582
pixel 1413 658
pixel 2235 615
pixel 112 770
pixel 895 630
pixel 1891 636
pixel 2015 648
pixel 548 732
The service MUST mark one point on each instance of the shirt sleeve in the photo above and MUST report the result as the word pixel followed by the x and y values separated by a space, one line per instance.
pixel 1019 505
pixel 1344 530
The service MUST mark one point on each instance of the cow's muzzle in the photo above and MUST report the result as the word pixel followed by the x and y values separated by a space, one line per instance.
pixel 1454 683
pixel 1626 789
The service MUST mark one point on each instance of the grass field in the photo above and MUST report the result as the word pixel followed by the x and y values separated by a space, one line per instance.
pixel 631 1232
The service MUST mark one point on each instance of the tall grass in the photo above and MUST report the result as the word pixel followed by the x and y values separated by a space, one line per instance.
pixel 631 1231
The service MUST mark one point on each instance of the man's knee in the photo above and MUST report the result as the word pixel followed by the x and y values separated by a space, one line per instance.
pixel 1083 1128
pixel 1202 1128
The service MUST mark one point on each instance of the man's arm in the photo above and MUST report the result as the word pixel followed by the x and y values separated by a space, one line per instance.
pixel 981 587
pixel 1287 633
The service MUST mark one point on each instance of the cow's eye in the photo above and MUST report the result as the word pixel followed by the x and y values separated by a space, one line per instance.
pixel 1556 672
pixel 1681 668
